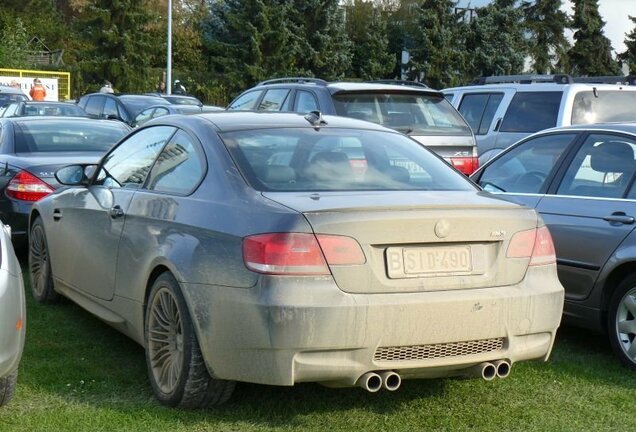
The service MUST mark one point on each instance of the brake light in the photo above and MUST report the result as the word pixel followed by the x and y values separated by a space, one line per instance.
pixel 465 165
pixel 535 244
pixel 543 252
pixel 299 253
pixel 341 250
pixel 27 187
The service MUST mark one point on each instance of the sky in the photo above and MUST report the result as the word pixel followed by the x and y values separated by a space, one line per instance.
pixel 614 12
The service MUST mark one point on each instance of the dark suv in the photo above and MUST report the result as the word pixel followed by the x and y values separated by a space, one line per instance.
pixel 123 107
pixel 413 109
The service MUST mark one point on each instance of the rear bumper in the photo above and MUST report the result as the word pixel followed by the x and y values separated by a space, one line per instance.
pixel 288 330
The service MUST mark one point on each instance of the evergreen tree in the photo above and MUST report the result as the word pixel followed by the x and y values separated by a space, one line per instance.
pixel 120 43
pixel 592 52
pixel 367 30
pixel 325 46
pixel 438 52
pixel 496 40
pixel 629 55
pixel 250 40
pixel 13 47
pixel 546 24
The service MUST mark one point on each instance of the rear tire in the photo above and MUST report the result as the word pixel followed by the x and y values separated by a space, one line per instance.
pixel 621 322
pixel 7 387
pixel 40 265
pixel 176 369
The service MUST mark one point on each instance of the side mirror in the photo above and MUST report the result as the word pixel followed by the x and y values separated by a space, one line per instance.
pixel 75 175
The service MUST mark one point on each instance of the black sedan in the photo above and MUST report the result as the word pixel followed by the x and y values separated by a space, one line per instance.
pixel 581 180
pixel 32 148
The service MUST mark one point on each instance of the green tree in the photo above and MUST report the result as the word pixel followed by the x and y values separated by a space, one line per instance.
pixel 322 37
pixel 248 41
pixel 546 24
pixel 592 52
pixel 12 49
pixel 496 40
pixel 121 42
pixel 629 55
pixel 367 30
pixel 438 52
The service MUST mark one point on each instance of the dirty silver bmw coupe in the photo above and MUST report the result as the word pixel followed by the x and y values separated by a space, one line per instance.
pixel 282 248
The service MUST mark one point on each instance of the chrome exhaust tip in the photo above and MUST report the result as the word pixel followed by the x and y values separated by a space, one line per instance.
pixel 370 381
pixel 391 381
pixel 503 368
pixel 485 370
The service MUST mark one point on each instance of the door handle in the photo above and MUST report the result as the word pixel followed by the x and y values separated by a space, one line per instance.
pixel 619 218
pixel 116 212
pixel 57 214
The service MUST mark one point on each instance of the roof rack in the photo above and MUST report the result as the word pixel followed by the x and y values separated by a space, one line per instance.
pixel 524 79
pixel 299 80
pixel 399 82
pixel 627 80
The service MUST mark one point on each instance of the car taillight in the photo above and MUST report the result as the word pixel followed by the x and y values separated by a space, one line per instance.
pixel 465 165
pixel 299 253
pixel 27 187
pixel 535 244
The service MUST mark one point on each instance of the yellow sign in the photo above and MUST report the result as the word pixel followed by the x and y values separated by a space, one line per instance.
pixel 63 79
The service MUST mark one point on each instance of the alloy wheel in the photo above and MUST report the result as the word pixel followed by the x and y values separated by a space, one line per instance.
pixel 626 324
pixel 39 261
pixel 165 340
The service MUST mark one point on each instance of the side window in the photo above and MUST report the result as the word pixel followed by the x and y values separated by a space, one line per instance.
pixel 130 162
pixel 525 168
pixel 245 102
pixel 449 97
pixel 179 168
pixel 143 116
pixel 479 110
pixel 305 102
pixel 10 110
pixel 110 108
pixel 94 105
pixel 603 167
pixel 160 112
pixel 532 112
pixel 273 100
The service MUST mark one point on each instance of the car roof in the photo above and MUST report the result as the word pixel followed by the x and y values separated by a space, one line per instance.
pixel 348 86
pixel 535 87
pixel 245 120
pixel 12 90
pixel 59 119
pixel 606 127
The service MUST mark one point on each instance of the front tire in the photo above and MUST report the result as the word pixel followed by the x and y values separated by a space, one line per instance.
pixel 622 322
pixel 176 368
pixel 7 387
pixel 40 265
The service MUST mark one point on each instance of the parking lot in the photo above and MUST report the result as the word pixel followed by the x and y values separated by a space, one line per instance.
pixel 77 371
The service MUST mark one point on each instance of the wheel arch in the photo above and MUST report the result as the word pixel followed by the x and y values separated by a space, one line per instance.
pixel 612 281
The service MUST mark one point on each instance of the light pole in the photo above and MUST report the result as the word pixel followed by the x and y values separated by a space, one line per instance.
pixel 169 61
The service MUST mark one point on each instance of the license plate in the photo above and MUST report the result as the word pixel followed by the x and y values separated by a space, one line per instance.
pixel 429 261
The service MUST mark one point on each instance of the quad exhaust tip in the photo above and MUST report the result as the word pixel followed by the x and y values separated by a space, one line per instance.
pixel 374 381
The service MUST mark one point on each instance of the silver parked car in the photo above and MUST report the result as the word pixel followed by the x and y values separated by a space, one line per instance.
pixel 12 316
pixel 282 248
pixel 581 180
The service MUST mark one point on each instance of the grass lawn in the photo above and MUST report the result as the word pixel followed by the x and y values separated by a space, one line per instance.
pixel 78 374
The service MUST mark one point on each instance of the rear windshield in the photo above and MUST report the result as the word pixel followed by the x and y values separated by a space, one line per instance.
pixel 7 98
pixel 55 109
pixel 61 136
pixel 605 107
pixel 304 159
pixel 413 114
pixel 136 104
